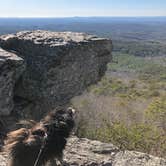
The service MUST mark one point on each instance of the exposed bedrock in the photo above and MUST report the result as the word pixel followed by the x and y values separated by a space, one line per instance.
pixel 85 152
pixel 11 67
pixel 59 65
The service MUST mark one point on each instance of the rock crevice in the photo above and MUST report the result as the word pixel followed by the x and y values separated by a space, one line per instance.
pixel 11 67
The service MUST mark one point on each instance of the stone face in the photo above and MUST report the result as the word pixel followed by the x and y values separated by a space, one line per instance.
pixel 85 152
pixel 59 65
pixel 11 67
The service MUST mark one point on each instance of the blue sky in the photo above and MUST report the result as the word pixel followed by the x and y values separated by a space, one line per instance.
pixel 70 8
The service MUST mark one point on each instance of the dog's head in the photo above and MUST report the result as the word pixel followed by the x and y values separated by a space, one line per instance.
pixel 60 121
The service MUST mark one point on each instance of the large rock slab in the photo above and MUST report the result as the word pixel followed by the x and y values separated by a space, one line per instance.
pixel 85 152
pixel 59 65
pixel 11 67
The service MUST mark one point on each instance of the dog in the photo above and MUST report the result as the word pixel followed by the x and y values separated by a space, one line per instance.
pixel 43 142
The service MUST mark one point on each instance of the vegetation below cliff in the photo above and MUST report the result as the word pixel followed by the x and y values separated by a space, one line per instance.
pixel 128 106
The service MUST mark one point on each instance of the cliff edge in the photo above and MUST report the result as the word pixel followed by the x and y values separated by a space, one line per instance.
pixel 40 70
pixel 57 66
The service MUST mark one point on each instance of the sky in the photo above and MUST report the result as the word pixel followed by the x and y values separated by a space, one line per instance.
pixel 83 8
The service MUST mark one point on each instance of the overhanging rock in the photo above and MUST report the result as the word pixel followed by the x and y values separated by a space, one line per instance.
pixel 59 65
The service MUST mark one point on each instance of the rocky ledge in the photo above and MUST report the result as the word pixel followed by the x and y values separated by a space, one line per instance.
pixel 59 65
pixel 40 70
pixel 84 152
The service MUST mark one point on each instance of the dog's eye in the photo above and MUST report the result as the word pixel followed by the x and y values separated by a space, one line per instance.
pixel 39 132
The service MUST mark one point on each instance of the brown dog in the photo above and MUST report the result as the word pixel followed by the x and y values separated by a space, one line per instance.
pixel 41 143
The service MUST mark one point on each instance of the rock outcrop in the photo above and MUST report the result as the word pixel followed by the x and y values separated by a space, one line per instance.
pixel 59 65
pixel 40 70
pixel 84 152
pixel 11 67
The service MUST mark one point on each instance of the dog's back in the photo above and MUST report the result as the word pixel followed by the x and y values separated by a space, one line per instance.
pixel 25 144
pixel 23 147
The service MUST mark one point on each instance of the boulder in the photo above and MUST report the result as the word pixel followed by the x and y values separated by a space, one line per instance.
pixel 85 152
pixel 11 67
pixel 59 65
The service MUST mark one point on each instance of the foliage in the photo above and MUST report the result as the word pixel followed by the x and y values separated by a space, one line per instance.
pixel 108 87
pixel 142 137
pixel 156 112
pixel 144 71
pixel 140 49
pixel 127 107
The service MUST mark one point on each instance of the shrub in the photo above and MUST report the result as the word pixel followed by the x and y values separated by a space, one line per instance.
pixel 156 113
pixel 128 106
pixel 142 137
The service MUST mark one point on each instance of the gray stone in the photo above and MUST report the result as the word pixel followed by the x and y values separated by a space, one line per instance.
pixel 60 65
pixel 11 67
pixel 85 152
pixel 130 158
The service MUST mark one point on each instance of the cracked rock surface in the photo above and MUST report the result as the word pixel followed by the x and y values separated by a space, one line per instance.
pixel 85 152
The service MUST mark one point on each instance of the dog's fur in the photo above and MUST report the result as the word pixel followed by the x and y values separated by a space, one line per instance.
pixel 24 144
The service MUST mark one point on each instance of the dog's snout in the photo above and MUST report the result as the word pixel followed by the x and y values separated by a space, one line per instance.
pixel 71 110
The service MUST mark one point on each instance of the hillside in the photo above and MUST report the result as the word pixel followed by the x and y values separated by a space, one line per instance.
pixel 124 105
pixel 128 106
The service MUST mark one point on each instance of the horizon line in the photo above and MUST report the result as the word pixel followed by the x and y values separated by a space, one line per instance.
pixel 81 16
